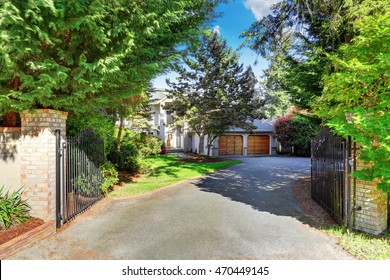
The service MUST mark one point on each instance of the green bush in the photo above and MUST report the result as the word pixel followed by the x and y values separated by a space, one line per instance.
pixel 145 145
pixel 134 148
pixel 13 209
pixel 100 123
pixel 144 166
pixel 110 176
pixel 126 158
pixel 85 185
pixel 151 146
pixel 296 131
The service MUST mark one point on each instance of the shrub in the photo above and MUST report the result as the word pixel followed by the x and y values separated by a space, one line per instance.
pixel 151 146
pixel 85 185
pixel 110 176
pixel 296 131
pixel 134 147
pixel 145 145
pixel 100 123
pixel 144 166
pixel 13 209
pixel 126 158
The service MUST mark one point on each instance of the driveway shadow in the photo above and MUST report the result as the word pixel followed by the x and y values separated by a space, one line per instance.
pixel 266 188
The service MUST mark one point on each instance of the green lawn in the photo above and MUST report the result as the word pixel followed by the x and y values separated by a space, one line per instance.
pixel 166 170
pixel 361 245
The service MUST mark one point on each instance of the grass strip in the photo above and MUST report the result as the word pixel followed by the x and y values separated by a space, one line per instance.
pixel 167 170
pixel 362 245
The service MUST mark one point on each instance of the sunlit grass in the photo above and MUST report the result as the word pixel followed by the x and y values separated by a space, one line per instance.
pixel 361 245
pixel 165 171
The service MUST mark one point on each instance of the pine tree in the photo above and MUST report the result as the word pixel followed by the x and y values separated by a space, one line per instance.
pixel 81 55
pixel 214 91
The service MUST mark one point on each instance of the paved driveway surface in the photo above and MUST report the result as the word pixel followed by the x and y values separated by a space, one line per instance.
pixel 244 212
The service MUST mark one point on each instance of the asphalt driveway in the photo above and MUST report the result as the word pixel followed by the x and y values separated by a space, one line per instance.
pixel 244 212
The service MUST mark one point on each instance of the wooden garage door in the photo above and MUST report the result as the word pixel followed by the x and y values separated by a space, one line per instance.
pixel 230 145
pixel 258 145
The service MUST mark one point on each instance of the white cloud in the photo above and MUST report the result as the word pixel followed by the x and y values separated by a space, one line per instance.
pixel 260 8
pixel 217 29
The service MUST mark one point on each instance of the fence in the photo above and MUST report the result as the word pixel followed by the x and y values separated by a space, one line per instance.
pixel 329 157
pixel 78 175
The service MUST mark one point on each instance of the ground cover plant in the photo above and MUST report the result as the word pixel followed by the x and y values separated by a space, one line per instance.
pixel 166 170
pixel 13 209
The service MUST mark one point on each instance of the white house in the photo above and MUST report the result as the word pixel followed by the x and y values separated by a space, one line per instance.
pixel 162 122
pixel 236 141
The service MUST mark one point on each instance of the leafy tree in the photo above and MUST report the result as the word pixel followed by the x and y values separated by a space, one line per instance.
pixel 277 103
pixel 135 108
pixel 296 131
pixel 333 56
pixel 214 92
pixel 83 55
pixel 283 130
pixel 356 99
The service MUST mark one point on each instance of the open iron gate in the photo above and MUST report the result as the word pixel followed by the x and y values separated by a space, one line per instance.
pixel 330 169
pixel 78 177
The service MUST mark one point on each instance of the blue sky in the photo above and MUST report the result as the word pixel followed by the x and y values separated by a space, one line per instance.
pixel 238 15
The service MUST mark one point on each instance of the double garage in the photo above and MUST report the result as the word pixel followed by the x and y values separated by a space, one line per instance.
pixel 234 145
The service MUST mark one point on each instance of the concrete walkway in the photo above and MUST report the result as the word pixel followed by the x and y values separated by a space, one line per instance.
pixel 244 212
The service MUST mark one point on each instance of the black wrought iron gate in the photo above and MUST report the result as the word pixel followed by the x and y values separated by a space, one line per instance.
pixel 329 173
pixel 78 176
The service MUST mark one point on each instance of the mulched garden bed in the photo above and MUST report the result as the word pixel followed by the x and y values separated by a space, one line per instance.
pixel 15 231
pixel 316 215
pixel 195 158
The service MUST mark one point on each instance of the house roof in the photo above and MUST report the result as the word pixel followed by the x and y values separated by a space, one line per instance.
pixel 261 126
pixel 158 96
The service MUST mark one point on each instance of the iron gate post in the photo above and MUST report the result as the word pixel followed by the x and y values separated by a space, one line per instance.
pixel 58 178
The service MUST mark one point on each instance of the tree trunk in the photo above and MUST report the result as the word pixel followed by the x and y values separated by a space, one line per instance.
pixel 10 119
pixel 209 144
pixel 120 130
pixel 208 149
pixel 201 144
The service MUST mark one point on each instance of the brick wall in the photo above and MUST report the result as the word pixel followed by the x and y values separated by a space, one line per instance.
pixel 38 159
pixel 371 206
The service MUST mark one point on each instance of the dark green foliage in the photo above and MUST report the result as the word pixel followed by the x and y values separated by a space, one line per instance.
pixel 305 129
pixel 110 176
pixel 144 144
pixel 296 131
pixel 81 56
pixel 295 39
pixel 99 122
pixel 214 91
pixel 277 103
pixel 135 146
pixel 13 209
pixel 333 56
pixel 356 99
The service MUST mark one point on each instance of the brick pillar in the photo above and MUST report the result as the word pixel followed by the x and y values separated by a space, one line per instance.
pixel 370 206
pixel 38 159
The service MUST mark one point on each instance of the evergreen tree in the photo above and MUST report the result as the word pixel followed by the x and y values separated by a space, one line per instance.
pixel 297 37
pixel 214 92
pixel 80 55
pixel 356 97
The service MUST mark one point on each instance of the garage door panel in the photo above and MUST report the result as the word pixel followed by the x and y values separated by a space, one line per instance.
pixel 230 145
pixel 258 144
